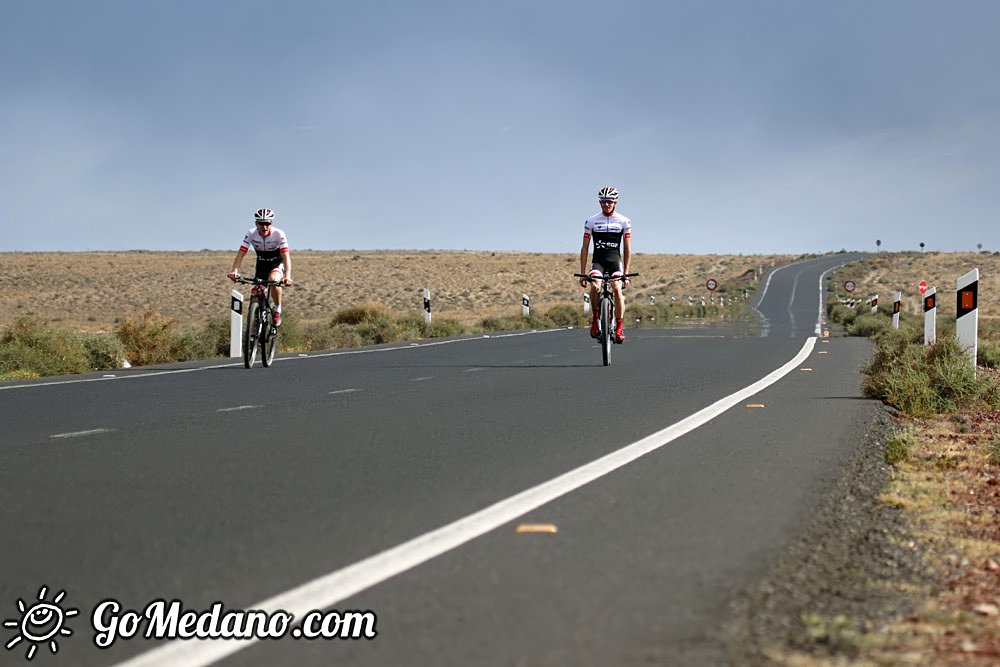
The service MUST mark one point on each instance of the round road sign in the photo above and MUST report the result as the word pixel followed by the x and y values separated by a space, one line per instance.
pixel 922 287
pixel 849 285
pixel 711 284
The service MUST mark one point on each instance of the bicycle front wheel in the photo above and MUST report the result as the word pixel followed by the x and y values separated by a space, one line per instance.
pixel 268 344
pixel 606 318
pixel 251 334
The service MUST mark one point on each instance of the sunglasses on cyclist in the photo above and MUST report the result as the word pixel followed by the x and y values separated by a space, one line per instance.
pixel 607 201
pixel 264 223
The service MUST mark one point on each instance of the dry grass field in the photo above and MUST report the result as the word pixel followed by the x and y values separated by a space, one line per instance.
pixel 902 272
pixel 94 290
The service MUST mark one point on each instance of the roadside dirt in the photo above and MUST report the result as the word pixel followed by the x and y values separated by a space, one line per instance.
pixel 902 564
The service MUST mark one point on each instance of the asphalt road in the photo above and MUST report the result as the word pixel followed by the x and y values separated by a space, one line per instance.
pixel 279 489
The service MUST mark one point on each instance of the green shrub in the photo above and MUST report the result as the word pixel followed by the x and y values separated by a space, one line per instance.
pixel 29 345
pixel 927 380
pixel 565 315
pixel 105 351
pixel 868 324
pixel 898 445
pixel 362 313
pixel 151 339
pixel 988 355
pixel 491 324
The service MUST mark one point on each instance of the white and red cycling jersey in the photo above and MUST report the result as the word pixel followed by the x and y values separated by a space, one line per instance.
pixel 268 249
pixel 609 233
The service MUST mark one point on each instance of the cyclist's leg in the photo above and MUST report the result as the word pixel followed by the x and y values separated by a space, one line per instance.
pixel 619 306
pixel 275 276
pixel 595 298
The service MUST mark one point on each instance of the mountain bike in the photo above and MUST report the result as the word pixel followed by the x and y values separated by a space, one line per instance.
pixel 605 311
pixel 259 331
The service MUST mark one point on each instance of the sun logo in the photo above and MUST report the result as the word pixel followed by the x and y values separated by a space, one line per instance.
pixel 40 623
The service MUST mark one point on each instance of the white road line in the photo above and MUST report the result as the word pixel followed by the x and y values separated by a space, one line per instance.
pixel 328 590
pixel 77 434
pixel 239 407
pixel 472 370
pixel 421 379
pixel 344 391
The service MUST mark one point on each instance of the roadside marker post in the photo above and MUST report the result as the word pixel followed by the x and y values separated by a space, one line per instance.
pixel 525 308
pixel 236 324
pixel 586 302
pixel 967 318
pixel 930 316
pixel 895 310
pixel 427 306
pixel 874 304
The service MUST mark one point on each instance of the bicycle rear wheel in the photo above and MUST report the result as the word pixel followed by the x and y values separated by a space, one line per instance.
pixel 251 334
pixel 268 344
pixel 606 331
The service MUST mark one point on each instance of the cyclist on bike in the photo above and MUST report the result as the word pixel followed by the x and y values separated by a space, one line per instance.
pixel 274 262
pixel 612 234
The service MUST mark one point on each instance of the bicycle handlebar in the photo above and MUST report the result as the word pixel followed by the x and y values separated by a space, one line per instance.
pixel 591 278
pixel 261 281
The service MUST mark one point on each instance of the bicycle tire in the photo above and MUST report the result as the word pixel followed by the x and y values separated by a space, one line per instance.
pixel 251 334
pixel 606 331
pixel 269 343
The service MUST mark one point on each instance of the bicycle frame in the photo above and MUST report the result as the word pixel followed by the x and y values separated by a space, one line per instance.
pixel 606 310
pixel 259 332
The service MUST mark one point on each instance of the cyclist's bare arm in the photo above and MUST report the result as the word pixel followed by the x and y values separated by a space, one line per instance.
pixel 626 258
pixel 286 258
pixel 584 252
pixel 235 273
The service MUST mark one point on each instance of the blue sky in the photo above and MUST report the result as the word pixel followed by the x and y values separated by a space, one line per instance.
pixel 749 126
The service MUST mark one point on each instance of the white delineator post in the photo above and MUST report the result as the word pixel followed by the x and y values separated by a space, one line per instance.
pixel 930 316
pixel 236 325
pixel 427 306
pixel 525 308
pixel 586 302
pixel 895 310
pixel 967 318
pixel 874 304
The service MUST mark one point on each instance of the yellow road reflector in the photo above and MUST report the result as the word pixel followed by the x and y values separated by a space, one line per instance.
pixel 822 352
pixel 755 405
pixel 537 528
pixel 805 369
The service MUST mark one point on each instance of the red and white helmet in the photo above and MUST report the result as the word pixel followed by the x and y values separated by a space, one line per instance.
pixel 608 193
pixel 264 215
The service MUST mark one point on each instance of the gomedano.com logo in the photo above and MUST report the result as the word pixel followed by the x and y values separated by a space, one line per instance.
pixel 41 623
pixel 162 620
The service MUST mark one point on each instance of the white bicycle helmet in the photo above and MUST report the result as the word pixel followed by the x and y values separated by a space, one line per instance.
pixel 264 215
pixel 608 193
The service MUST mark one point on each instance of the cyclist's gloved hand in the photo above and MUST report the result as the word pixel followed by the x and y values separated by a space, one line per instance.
pixel 288 281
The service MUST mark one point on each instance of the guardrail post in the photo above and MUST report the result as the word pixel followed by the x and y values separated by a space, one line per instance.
pixel 236 325
pixel 895 310
pixel 427 306
pixel 930 316
pixel 967 317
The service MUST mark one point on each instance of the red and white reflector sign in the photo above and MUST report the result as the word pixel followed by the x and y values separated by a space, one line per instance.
pixel 967 313
pixel 930 316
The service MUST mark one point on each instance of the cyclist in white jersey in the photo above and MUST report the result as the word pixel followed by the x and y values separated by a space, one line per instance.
pixel 273 259
pixel 612 235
